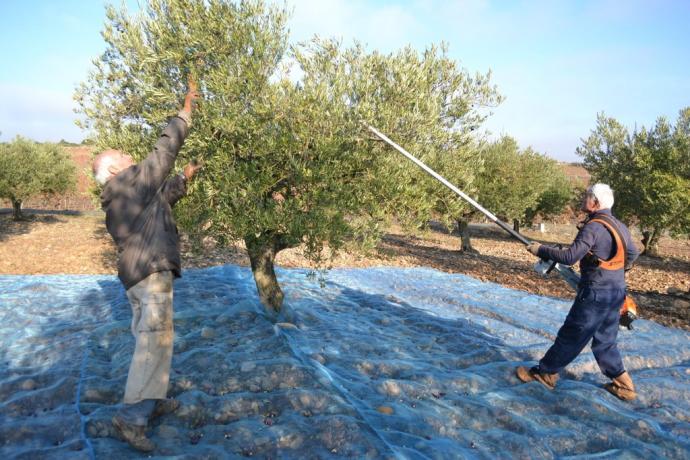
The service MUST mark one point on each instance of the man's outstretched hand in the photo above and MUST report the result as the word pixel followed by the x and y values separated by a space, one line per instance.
pixel 192 95
pixel 533 247
pixel 191 168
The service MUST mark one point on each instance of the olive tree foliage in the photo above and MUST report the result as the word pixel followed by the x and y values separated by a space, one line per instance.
pixel 281 131
pixel 28 168
pixel 424 102
pixel 558 193
pixel 649 170
pixel 431 107
pixel 461 168
pixel 517 185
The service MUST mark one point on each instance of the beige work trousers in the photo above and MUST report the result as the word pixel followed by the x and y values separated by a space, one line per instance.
pixel 152 326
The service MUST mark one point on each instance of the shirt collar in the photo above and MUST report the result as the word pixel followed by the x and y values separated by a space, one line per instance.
pixel 600 211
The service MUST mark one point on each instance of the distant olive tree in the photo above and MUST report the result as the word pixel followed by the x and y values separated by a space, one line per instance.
pixel 287 159
pixel 649 171
pixel 28 169
pixel 461 168
pixel 556 196
pixel 516 185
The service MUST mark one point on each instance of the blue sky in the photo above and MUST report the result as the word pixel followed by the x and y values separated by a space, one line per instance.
pixel 558 63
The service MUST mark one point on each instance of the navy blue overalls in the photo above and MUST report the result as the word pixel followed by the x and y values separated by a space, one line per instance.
pixel 603 247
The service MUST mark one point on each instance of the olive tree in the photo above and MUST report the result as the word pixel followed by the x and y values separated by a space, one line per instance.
pixel 448 107
pixel 648 171
pixel 28 168
pixel 281 129
pixel 513 181
pixel 556 196
pixel 516 185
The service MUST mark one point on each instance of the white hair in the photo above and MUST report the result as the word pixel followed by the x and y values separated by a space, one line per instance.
pixel 102 164
pixel 603 194
pixel 101 173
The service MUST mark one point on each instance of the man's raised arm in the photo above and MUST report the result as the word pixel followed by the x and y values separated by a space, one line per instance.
pixel 161 160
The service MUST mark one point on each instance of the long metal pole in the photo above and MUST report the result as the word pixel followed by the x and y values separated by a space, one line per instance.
pixel 456 190
pixel 570 276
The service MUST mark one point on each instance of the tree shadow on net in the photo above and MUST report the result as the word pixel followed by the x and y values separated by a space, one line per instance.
pixel 47 325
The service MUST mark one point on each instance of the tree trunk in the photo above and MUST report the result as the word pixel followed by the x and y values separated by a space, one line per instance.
pixel 650 240
pixel 464 230
pixel 17 210
pixel 516 225
pixel 262 254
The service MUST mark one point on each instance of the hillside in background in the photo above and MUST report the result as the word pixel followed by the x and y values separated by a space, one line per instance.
pixel 576 173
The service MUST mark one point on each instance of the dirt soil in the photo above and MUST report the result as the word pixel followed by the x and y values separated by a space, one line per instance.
pixel 79 244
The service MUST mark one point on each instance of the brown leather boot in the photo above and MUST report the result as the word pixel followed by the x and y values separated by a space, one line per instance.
pixel 532 374
pixel 622 387
pixel 135 435
pixel 164 407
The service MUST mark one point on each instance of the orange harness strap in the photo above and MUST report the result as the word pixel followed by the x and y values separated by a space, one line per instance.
pixel 617 262
pixel 628 310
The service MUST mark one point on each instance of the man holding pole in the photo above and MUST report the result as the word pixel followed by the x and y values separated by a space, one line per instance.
pixel 138 200
pixel 605 251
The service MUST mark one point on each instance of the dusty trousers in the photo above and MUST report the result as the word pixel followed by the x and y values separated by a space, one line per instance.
pixel 152 326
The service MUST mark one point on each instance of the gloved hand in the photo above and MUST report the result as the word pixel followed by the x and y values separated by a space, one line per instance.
pixel 533 247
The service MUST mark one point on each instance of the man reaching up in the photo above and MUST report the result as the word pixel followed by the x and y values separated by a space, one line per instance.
pixel 137 200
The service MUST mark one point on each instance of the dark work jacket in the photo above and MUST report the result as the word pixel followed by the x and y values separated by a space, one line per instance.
pixel 596 238
pixel 138 210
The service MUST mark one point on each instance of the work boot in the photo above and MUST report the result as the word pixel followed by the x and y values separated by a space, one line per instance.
pixel 135 435
pixel 533 373
pixel 164 407
pixel 622 387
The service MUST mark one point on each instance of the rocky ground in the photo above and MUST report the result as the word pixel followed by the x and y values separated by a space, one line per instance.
pixel 73 244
